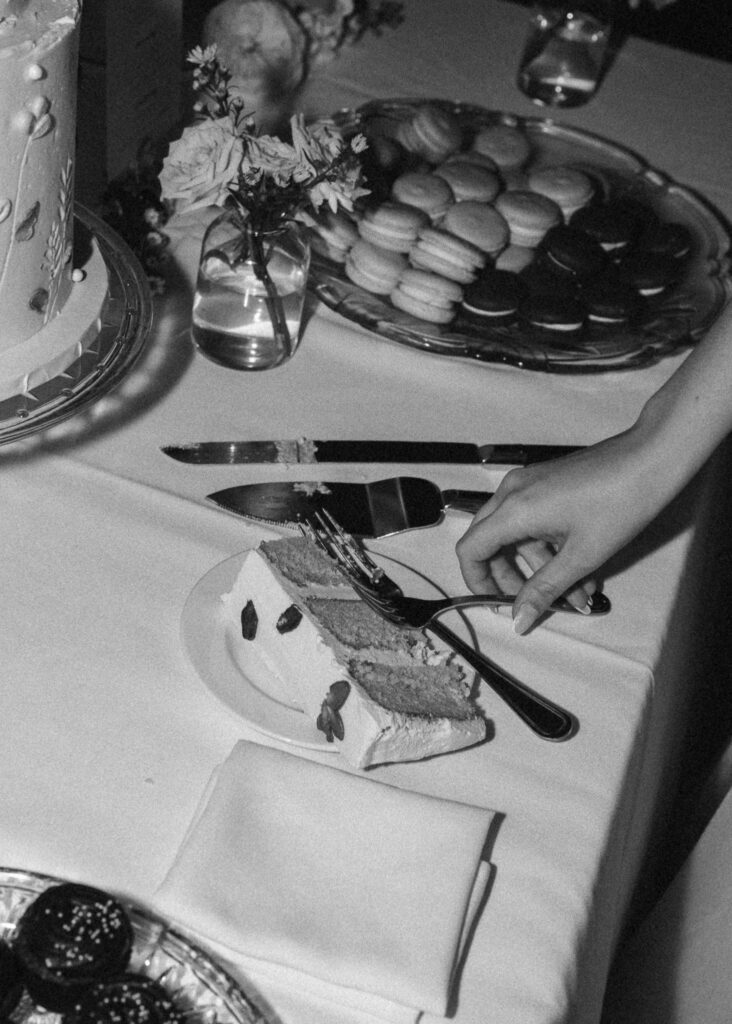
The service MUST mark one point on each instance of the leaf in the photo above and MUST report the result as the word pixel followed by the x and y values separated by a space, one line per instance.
pixel 43 126
pixel 27 227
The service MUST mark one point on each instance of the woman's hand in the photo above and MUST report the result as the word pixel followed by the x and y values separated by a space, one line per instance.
pixel 565 518
pixel 561 519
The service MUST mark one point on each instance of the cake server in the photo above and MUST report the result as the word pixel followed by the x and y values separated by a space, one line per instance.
pixel 304 451
pixel 365 510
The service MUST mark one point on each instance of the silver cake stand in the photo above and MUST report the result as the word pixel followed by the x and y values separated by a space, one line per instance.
pixel 125 325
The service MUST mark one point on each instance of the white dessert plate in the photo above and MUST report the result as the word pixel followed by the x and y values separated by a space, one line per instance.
pixel 669 322
pixel 241 680
pixel 203 991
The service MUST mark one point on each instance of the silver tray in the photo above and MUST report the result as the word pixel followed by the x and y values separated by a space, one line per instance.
pixel 676 319
pixel 201 989
pixel 125 324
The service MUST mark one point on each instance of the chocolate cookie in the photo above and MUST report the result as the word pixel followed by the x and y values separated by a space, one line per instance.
pixel 649 273
pixel 11 981
pixel 569 250
pixel 614 225
pixel 68 938
pixel 555 314
pixel 132 998
pixel 494 298
pixel 609 301
pixel 667 238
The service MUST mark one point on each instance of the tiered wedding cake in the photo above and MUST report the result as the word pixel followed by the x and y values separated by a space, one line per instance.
pixel 48 309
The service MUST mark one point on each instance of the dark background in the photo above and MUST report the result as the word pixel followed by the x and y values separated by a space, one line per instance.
pixel 701 26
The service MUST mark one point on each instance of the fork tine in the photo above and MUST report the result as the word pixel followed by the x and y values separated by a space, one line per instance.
pixel 341 546
pixel 349 545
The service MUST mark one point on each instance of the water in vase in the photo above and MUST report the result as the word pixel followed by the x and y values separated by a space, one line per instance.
pixel 232 320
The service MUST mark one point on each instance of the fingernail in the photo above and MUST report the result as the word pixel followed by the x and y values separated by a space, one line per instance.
pixel 524 619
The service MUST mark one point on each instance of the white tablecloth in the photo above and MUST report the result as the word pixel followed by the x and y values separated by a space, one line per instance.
pixel 110 736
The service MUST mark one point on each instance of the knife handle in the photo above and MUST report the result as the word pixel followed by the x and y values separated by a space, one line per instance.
pixel 465 501
pixel 523 454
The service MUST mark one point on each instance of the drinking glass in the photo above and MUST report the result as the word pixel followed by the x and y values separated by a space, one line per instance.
pixel 566 51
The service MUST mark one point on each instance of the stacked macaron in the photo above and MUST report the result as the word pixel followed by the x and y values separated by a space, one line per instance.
pixel 461 223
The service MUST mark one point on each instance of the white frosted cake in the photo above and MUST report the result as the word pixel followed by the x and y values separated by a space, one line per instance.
pixel 379 693
pixel 47 308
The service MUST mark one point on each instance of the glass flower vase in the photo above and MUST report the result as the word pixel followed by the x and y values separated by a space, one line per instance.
pixel 250 292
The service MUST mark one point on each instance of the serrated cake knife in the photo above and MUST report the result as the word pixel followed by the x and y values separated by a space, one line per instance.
pixel 307 452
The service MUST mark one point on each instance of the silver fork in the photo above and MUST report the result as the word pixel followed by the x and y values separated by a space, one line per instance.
pixel 381 593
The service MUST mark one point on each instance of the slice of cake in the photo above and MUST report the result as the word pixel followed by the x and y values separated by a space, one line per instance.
pixel 378 692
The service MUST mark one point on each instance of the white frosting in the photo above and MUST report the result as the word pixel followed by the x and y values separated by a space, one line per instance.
pixel 36 360
pixel 308 665
pixel 38 63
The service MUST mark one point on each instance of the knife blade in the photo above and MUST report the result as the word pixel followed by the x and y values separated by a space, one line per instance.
pixel 306 452
pixel 375 509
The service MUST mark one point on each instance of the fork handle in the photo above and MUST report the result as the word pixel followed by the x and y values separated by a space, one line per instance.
pixel 547 719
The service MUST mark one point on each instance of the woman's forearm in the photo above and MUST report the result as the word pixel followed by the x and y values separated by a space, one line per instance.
pixel 585 507
pixel 687 418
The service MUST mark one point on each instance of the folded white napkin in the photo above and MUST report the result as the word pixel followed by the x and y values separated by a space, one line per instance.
pixel 362 893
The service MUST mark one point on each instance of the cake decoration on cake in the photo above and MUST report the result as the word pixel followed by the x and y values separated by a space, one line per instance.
pixel 38 66
pixel 379 693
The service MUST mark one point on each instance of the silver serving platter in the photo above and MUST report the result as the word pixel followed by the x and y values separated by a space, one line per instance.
pixel 125 325
pixel 677 318
pixel 198 987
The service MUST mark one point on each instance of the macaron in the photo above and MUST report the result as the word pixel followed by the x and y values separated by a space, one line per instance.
pixel 470 182
pixel 446 254
pixel 333 234
pixel 433 132
pixel 469 156
pixel 507 145
pixel 570 189
pixel 649 273
pixel 427 296
pixel 613 225
pixel 425 191
pixel 514 258
pixel 392 225
pixel 569 250
pixel 376 270
pixel 478 223
pixel 609 301
pixel 558 314
pixel 529 216
pixel 494 298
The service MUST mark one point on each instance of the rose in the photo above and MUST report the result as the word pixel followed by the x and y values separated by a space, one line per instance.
pixel 202 164
pixel 269 156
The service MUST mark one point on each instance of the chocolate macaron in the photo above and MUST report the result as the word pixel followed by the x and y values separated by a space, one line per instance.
pixel 569 250
pixel 494 298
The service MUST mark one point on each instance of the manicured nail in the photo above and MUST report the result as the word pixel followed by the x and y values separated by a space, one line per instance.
pixel 524 620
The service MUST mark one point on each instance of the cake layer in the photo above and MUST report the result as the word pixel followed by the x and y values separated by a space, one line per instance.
pixel 378 692
pixel 30 363
pixel 38 76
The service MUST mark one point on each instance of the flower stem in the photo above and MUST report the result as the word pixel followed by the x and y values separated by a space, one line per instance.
pixel 273 299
